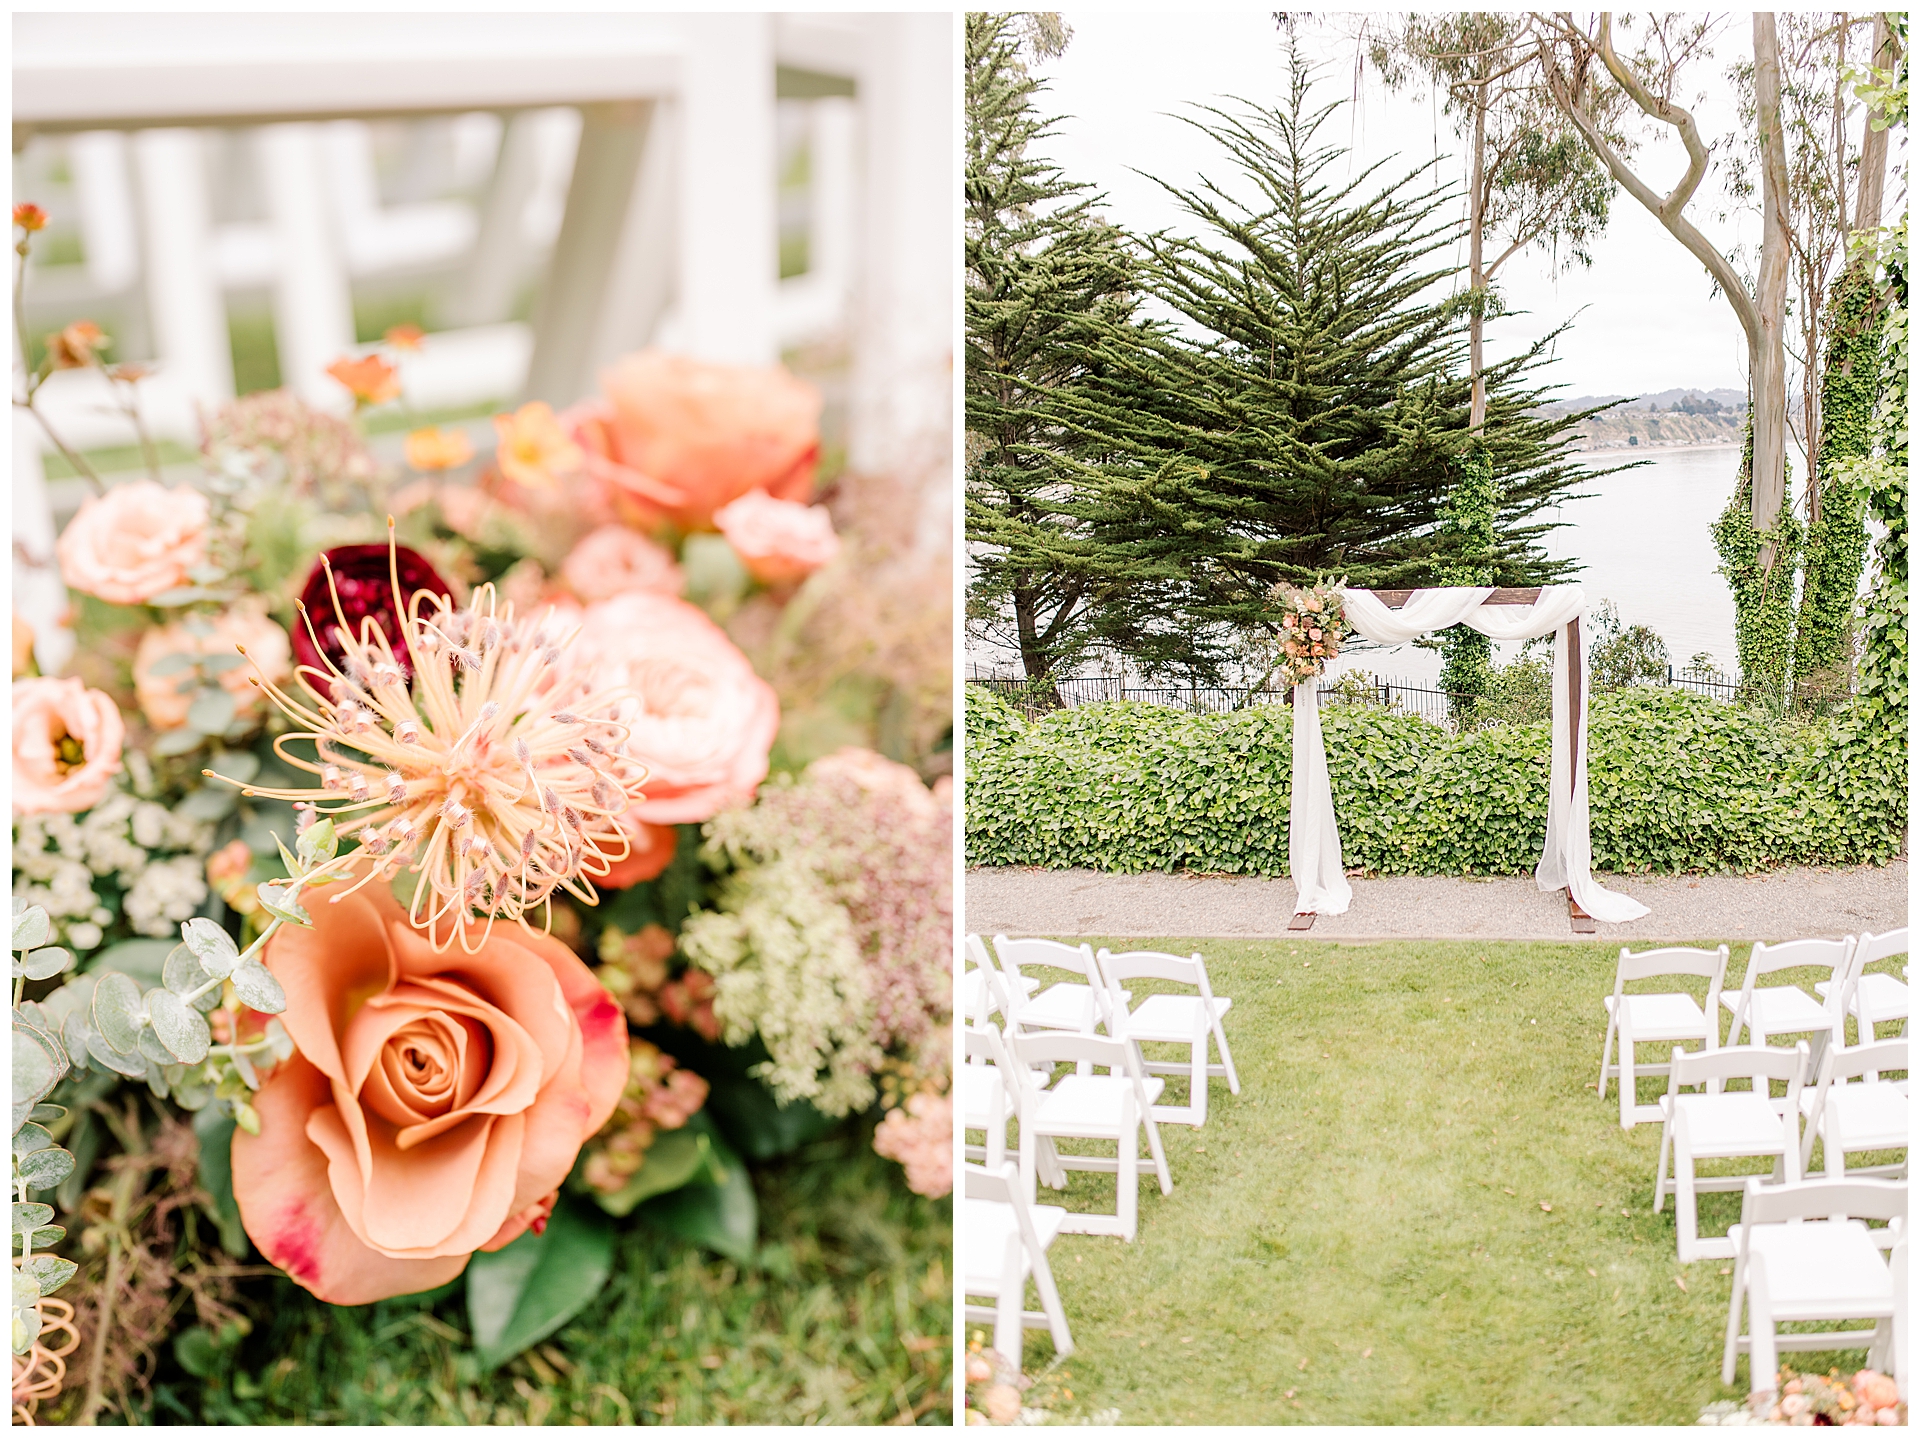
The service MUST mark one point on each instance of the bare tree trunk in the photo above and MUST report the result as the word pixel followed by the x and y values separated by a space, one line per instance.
pixel 1873 146
pixel 1476 279
pixel 1767 350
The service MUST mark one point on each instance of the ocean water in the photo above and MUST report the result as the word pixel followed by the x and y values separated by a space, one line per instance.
pixel 1641 539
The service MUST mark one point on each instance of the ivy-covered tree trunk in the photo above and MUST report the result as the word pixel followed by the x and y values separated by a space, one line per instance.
pixel 1762 593
pixel 1467 530
pixel 1836 529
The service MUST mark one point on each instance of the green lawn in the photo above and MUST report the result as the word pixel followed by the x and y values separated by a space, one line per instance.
pixel 844 1318
pixel 1416 1211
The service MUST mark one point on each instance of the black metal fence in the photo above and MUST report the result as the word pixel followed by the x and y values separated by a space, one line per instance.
pixel 1035 698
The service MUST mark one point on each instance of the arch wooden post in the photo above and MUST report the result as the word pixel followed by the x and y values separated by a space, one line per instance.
pixel 1581 921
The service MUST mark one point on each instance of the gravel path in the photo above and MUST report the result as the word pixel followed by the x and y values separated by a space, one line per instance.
pixel 1779 904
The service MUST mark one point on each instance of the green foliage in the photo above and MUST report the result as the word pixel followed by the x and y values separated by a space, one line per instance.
pixel 1837 539
pixel 523 1292
pixel 1762 597
pixel 1304 414
pixel 1677 782
pixel 1044 272
pixel 1467 519
pixel 1619 657
pixel 40 1061
pixel 842 1316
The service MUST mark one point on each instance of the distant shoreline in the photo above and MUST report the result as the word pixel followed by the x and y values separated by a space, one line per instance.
pixel 1611 448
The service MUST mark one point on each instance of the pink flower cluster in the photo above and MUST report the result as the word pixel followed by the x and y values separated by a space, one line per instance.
pixel 920 1137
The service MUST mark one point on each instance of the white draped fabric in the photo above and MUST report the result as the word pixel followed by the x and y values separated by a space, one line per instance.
pixel 1566 860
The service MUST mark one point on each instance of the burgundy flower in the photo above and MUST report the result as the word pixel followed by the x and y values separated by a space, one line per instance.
pixel 362 578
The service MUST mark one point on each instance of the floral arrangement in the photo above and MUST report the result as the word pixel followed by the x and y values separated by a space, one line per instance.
pixel 1803 1400
pixel 1312 623
pixel 431 844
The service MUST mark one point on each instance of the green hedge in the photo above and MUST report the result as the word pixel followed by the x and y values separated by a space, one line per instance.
pixel 1677 782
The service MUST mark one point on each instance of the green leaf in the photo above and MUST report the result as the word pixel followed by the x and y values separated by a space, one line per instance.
pixel 132 1065
pixel 516 1297
pixel 45 963
pixel 50 1271
pixel 209 804
pixel 317 844
pixel 182 973
pixel 212 945
pixel 259 989
pixel 144 960
pixel 115 1014
pixel 31 1217
pixel 215 1129
pixel 175 742
pixel 45 1237
pixel 170 664
pixel 31 927
pixel 674 1158
pixel 45 1167
pixel 276 901
pixel 39 1062
pixel 178 1026
pixel 724 1217
pixel 239 765
pixel 30 1138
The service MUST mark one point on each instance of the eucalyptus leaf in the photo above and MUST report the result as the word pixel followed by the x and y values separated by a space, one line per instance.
pixel 178 1026
pixel 222 663
pixel 212 945
pixel 259 989
pixel 31 1217
pixel 155 1052
pixel 45 1168
pixel 182 972
pixel 170 664
pixel 47 1113
pixel 175 742
pixel 73 1034
pixel 276 901
pixel 243 1066
pixel 156 1074
pixel 31 927
pixel 39 1063
pixel 26 1316
pixel 50 1271
pixel 527 1290
pixel 42 1237
pixel 30 1138
pixel 211 711
pixel 132 1065
pixel 116 1012
pixel 238 765
pixel 45 963
pixel 214 801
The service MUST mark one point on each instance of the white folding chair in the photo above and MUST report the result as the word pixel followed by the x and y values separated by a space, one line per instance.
pixel 1803 1255
pixel 983 982
pixel 1856 1117
pixel 1665 1018
pixel 1770 1011
pixel 1077 1007
pixel 1190 1019
pixel 1115 1106
pixel 1696 1126
pixel 1006 1242
pixel 1875 998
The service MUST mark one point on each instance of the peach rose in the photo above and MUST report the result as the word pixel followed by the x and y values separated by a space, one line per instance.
pixel 780 542
pixel 435 1103
pixel 613 559
pixel 701 720
pixel 653 846
pixel 133 542
pixel 160 697
pixel 677 438
pixel 66 746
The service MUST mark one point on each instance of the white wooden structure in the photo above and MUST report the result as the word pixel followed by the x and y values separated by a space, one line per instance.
pixel 667 236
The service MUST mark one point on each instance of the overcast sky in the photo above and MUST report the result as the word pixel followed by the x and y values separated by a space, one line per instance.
pixel 1647 317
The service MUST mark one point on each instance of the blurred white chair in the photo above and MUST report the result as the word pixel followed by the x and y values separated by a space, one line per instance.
pixel 983 986
pixel 1725 1125
pixel 1005 1239
pixel 1856 1117
pixel 1802 1254
pixel 1190 1019
pixel 1770 1011
pixel 1875 998
pixel 1667 1018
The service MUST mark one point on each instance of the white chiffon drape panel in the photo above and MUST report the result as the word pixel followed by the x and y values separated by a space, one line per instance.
pixel 1566 858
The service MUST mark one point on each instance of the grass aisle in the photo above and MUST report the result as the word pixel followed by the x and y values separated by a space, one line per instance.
pixel 1416 1211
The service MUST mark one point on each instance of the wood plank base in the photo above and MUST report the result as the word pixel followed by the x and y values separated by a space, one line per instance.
pixel 1301 921
pixel 1581 920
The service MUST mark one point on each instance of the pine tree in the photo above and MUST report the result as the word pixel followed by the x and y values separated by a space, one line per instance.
pixel 1043 271
pixel 1304 415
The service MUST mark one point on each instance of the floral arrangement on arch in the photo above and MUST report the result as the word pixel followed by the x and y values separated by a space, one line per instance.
pixel 430 832
pixel 1312 623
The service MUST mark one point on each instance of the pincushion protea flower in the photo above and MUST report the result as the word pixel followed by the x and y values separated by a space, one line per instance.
pixel 498 772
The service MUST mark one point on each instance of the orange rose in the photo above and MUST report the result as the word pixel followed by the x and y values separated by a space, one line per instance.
pixel 435 1103
pixel 653 846
pixel 779 542
pixel 159 694
pixel 66 746
pixel 677 438
pixel 133 542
